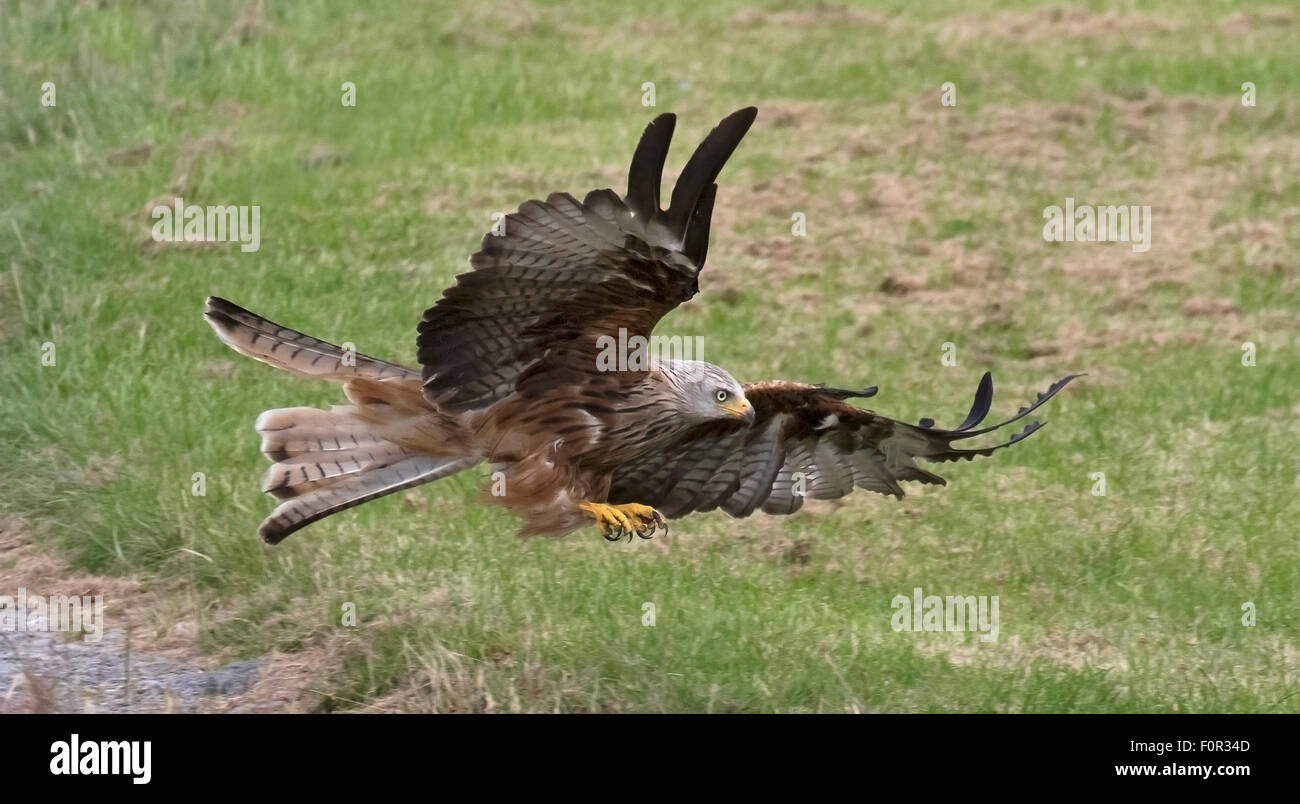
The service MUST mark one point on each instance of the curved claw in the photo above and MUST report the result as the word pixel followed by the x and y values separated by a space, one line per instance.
pixel 656 521
pixel 615 521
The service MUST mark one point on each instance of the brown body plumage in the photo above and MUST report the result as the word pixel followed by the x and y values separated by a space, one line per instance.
pixel 510 376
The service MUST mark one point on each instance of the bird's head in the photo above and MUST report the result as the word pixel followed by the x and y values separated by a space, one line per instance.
pixel 708 393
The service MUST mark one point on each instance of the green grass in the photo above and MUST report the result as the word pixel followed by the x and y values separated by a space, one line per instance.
pixel 1128 602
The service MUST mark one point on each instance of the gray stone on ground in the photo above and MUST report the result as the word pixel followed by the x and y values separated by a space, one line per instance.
pixel 44 671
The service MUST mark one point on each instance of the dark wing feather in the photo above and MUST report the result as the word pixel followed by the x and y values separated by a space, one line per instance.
pixel 646 174
pixel 566 272
pixel 696 244
pixel 802 433
pixel 702 170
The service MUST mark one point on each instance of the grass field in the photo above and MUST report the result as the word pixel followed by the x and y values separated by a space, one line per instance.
pixel 924 227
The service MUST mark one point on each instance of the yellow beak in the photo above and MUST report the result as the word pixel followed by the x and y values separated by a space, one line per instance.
pixel 741 409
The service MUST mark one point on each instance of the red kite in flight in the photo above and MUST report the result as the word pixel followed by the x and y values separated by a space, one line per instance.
pixel 511 375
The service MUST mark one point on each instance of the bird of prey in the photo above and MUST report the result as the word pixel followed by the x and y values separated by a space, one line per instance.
pixel 510 376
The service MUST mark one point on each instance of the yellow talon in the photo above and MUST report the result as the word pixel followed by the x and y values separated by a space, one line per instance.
pixel 608 518
pixel 627 518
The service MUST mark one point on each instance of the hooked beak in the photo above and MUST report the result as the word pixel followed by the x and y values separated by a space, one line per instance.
pixel 741 409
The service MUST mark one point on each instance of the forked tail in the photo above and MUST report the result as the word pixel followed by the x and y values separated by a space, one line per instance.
pixel 326 461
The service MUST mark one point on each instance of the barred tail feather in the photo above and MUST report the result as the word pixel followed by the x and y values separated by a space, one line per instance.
pixel 261 339
pixel 290 432
pixel 326 461
pixel 299 474
pixel 348 492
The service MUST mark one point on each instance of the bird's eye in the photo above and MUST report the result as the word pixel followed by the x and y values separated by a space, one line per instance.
pixel 721 396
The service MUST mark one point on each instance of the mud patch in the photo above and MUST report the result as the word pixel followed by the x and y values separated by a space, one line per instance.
pixel 1056 24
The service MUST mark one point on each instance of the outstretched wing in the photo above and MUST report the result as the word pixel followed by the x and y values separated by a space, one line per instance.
pixel 805 438
pixel 565 272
